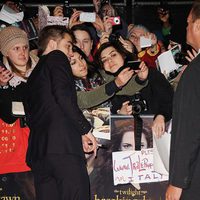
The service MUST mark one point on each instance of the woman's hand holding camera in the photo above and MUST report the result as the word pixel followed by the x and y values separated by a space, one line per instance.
pixel 5 76
pixel 142 73
pixel 98 24
pixel 58 11
pixel 107 24
pixel 104 38
pixel 126 109
pixel 123 77
pixel 74 19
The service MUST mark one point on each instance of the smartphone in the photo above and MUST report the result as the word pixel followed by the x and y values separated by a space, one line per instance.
pixel 134 65
pixel 88 17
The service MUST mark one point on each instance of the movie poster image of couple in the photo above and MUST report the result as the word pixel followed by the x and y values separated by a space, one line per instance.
pixel 121 172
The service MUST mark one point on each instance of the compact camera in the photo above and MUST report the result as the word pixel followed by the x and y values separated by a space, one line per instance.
pixel 115 20
pixel 138 104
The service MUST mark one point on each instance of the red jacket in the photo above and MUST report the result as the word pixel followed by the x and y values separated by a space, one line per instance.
pixel 150 58
pixel 13 147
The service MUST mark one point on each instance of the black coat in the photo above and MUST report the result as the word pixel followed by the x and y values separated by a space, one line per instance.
pixel 158 95
pixel 55 120
pixel 7 96
pixel 185 138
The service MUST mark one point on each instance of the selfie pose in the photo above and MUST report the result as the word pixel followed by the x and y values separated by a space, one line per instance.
pixel 158 93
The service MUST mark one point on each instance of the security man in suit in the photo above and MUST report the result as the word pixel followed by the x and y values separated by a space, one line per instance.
pixel 184 171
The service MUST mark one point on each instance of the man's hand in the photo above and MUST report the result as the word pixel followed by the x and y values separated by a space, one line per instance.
pixel 89 143
pixel 191 55
pixel 173 193
pixel 123 77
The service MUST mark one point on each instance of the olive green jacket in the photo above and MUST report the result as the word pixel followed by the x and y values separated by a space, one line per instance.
pixel 89 99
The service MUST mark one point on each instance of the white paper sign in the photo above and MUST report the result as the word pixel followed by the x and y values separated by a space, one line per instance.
pixel 135 167
pixel 161 153
pixel 166 61
pixel 145 42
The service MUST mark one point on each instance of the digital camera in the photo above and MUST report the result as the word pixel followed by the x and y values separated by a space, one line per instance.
pixel 115 20
pixel 138 104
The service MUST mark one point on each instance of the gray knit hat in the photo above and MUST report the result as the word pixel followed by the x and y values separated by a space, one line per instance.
pixel 11 36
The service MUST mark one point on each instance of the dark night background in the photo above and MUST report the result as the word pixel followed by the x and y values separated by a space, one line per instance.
pixel 133 11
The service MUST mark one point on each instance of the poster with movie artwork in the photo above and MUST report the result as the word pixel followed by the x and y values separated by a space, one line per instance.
pixel 147 187
pixel 99 118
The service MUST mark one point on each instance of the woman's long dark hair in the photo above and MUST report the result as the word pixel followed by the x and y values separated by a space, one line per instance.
pixel 119 48
pixel 91 66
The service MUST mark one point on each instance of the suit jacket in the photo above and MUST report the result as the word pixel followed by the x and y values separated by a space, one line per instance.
pixel 55 120
pixel 185 139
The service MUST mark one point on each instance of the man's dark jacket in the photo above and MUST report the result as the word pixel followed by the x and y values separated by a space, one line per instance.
pixel 56 123
pixel 185 139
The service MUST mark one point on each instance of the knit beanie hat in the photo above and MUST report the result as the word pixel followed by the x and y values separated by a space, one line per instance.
pixel 11 36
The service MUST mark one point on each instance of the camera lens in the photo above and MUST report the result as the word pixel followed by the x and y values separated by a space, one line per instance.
pixel 138 104
pixel 116 20
pixel 137 109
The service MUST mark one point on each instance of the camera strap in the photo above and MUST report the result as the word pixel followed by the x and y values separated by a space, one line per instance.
pixel 138 124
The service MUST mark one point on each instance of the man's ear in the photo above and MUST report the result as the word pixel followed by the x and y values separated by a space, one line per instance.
pixel 197 26
pixel 52 45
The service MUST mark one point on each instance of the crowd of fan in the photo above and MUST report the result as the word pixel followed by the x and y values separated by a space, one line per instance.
pixel 100 53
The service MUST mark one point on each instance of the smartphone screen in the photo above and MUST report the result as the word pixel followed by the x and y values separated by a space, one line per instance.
pixel 87 17
pixel 134 65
